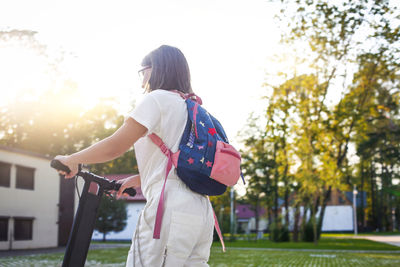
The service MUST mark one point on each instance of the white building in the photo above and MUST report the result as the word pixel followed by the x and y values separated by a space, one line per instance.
pixel 37 207
pixel 29 197
pixel 338 215
pixel 337 218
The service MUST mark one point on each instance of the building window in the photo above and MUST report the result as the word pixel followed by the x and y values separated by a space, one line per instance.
pixel 25 178
pixel 23 228
pixel 5 171
pixel 4 228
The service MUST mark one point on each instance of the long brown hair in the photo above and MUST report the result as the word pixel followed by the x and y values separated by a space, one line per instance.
pixel 170 70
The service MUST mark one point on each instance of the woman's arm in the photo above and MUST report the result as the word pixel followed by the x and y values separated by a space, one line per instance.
pixel 107 149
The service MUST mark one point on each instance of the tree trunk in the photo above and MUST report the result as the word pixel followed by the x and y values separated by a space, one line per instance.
pixel 269 218
pixel 296 223
pixel 385 200
pixel 104 237
pixel 276 204
pixel 389 199
pixel 276 178
pixel 313 219
pixel 287 207
pixel 257 218
pixel 379 205
pixel 325 200
pixel 304 221
pixel 373 198
pixel 397 216
pixel 362 215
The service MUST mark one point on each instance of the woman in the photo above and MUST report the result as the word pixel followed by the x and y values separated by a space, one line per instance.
pixel 187 224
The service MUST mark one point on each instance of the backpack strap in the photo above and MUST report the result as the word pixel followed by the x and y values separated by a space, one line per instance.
pixel 160 209
pixel 216 225
pixel 172 160
pixel 196 99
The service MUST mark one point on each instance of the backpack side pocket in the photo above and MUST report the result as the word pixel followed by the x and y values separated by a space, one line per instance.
pixel 226 167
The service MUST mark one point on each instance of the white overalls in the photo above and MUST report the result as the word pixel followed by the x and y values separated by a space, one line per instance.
pixel 187 224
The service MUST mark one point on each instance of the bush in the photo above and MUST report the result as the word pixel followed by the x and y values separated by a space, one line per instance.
pixel 279 233
pixel 308 234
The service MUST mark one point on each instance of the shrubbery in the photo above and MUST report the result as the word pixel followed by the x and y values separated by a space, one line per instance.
pixel 279 233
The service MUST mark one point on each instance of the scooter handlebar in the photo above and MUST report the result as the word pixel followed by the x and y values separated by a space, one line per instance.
pixel 56 164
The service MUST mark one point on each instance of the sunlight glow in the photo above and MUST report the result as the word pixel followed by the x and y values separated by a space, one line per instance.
pixel 227 44
pixel 21 69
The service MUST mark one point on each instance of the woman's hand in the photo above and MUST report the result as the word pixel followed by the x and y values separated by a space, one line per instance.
pixel 131 181
pixel 66 160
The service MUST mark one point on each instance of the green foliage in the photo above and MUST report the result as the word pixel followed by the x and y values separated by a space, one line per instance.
pixel 279 232
pixel 111 216
pixel 303 148
pixel 308 233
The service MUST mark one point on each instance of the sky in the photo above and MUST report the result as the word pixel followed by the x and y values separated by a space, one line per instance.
pixel 228 45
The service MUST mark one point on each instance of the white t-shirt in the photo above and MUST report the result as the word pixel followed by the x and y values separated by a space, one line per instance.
pixel 165 114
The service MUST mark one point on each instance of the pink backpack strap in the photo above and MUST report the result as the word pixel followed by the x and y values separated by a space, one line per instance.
pixel 197 99
pixel 216 225
pixel 172 160
pixel 195 108
pixel 160 209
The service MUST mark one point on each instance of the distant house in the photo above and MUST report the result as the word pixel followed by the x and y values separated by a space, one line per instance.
pixel 134 207
pixel 338 214
pixel 29 197
pixel 246 219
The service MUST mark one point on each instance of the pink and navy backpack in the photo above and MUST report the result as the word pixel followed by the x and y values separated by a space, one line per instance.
pixel 205 161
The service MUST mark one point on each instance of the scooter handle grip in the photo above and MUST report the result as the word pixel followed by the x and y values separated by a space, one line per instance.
pixel 56 164
pixel 130 191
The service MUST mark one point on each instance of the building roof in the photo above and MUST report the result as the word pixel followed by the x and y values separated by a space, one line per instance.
pixel 139 195
pixel 24 152
pixel 360 196
pixel 244 211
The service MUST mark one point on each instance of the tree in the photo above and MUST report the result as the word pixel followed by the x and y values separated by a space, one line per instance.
pixel 340 38
pixel 56 120
pixel 111 216
pixel 256 166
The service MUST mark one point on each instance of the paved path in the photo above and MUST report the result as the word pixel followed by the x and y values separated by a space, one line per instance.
pixel 27 252
pixel 391 240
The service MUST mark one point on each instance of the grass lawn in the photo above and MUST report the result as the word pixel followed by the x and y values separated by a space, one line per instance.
pixel 324 243
pixel 252 257
pixel 236 255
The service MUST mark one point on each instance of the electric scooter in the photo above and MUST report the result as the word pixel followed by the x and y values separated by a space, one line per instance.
pixel 85 217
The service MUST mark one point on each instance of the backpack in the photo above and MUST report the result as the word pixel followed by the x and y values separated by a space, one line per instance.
pixel 205 161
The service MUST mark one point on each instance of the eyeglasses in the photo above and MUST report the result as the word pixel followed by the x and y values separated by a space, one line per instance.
pixel 141 72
